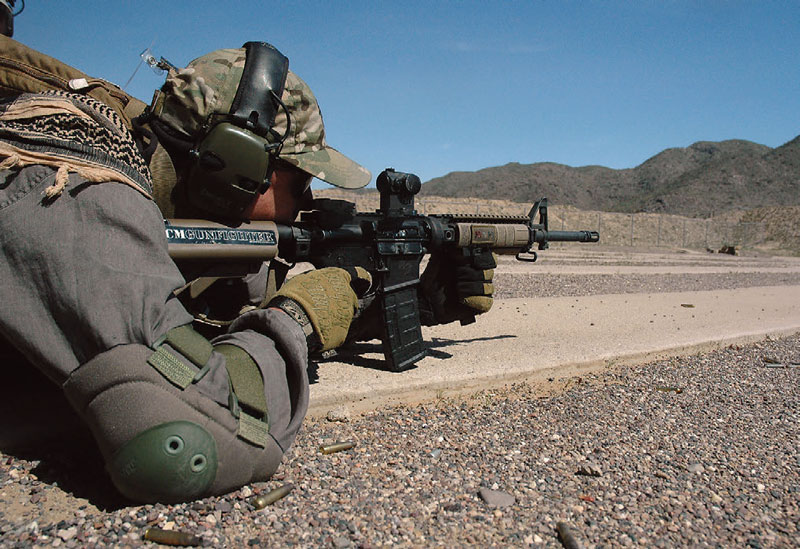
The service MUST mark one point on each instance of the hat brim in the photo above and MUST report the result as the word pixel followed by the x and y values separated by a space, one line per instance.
pixel 331 166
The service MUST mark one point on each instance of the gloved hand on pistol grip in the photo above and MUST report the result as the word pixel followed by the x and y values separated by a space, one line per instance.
pixel 456 285
pixel 327 300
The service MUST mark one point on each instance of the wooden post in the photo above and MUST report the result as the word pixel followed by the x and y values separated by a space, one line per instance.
pixel 631 230
pixel 658 234
pixel 684 232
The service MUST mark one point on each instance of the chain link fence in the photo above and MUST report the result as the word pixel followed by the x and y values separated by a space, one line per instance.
pixel 645 229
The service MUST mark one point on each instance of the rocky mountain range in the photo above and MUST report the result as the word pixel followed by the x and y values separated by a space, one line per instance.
pixel 703 179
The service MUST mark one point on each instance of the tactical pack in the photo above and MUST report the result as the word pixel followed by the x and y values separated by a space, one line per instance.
pixel 25 70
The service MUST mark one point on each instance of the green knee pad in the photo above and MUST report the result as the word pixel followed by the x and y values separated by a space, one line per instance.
pixel 174 461
pixel 137 417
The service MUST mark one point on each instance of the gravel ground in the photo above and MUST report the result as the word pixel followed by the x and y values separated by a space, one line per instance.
pixel 693 451
pixel 554 285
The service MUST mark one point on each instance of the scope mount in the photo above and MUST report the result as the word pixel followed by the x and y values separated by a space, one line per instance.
pixel 397 190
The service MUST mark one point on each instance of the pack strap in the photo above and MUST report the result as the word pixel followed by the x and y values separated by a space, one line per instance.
pixel 25 70
pixel 253 430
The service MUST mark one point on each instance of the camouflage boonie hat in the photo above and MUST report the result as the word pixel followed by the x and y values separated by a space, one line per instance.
pixel 207 87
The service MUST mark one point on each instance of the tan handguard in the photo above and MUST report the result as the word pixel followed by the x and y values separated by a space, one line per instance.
pixel 501 238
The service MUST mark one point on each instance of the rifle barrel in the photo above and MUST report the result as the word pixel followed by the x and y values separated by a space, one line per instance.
pixel 572 236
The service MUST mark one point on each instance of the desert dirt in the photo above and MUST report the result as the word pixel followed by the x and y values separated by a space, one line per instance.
pixel 53 491
pixel 580 308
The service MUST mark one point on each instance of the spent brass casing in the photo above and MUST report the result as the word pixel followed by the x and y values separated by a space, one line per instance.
pixel 171 537
pixel 338 447
pixel 669 389
pixel 261 501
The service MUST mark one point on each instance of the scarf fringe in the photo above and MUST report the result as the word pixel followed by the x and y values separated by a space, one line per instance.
pixel 58 186
pixel 10 162
pixel 38 129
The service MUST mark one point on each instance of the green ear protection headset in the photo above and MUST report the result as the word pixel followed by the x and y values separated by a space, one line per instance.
pixel 230 165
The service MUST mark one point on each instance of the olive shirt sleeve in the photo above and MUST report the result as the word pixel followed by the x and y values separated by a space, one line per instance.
pixel 89 270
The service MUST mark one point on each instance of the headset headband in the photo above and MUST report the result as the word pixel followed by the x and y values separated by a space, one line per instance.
pixel 258 97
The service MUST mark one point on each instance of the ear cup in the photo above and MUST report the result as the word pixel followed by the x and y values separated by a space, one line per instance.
pixel 230 170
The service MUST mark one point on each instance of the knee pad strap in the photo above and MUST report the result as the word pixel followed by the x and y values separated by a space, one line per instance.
pixel 246 383
pixel 192 346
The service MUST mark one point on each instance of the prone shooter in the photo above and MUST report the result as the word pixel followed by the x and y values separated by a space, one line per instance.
pixel 389 243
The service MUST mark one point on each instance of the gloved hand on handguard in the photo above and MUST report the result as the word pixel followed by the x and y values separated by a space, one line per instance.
pixel 456 286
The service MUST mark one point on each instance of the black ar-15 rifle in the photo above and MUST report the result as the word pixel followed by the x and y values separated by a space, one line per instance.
pixel 390 243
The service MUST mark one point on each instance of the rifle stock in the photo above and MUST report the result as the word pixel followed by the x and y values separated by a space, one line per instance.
pixel 390 243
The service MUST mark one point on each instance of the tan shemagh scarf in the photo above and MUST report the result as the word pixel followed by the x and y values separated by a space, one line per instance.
pixel 74 134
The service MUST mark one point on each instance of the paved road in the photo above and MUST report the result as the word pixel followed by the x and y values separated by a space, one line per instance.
pixel 541 337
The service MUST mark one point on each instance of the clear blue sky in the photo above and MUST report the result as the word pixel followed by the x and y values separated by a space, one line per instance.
pixel 435 87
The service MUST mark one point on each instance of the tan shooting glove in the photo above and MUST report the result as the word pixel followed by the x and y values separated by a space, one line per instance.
pixel 323 302
pixel 456 286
